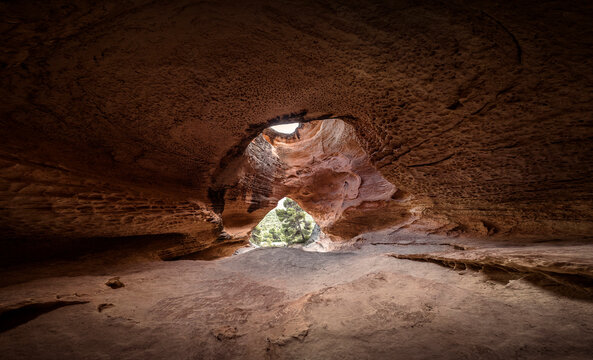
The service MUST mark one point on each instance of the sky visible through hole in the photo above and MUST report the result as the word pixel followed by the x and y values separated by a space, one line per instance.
pixel 285 128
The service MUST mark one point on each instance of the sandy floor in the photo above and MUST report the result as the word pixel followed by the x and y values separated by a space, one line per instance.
pixel 292 304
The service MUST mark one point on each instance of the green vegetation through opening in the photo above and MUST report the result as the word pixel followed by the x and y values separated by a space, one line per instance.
pixel 285 225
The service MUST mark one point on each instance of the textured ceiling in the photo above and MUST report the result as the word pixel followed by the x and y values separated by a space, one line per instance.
pixel 480 110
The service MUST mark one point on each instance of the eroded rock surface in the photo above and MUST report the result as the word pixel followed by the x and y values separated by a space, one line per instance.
pixel 432 133
pixel 342 305
pixel 126 118
pixel 327 171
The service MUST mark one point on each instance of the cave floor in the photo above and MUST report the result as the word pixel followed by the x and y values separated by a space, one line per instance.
pixel 292 304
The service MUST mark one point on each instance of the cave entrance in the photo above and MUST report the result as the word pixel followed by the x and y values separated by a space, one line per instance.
pixel 323 167
pixel 285 225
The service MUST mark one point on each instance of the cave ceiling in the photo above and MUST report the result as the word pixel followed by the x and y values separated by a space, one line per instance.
pixel 128 118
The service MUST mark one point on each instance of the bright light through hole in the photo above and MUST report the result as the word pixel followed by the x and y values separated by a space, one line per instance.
pixel 285 128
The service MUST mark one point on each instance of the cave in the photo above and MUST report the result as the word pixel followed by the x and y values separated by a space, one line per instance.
pixel 443 150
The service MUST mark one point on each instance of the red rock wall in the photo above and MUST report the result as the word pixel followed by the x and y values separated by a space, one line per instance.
pixel 332 178
pixel 480 110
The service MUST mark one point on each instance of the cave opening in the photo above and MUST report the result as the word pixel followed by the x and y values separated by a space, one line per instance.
pixel 286 129
pixel 286 225
pixel 322 167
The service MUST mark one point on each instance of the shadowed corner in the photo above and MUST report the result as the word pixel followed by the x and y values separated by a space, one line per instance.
pixel 13 317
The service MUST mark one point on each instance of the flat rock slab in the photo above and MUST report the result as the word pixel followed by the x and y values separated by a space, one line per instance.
pixel 290 304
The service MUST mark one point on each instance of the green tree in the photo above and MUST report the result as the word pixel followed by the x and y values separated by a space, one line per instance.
pixel 265 232
pixel 256 235
pixel 286 226
pixel 296 228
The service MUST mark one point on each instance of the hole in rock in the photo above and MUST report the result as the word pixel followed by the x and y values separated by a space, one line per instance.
pixel 285 225
pixel 323 168
pixel 286 128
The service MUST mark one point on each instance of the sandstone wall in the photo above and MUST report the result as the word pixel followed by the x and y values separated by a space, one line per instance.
pixel 481 110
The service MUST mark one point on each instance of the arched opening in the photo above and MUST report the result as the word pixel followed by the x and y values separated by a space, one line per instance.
pixel 285 225
pixel 323 168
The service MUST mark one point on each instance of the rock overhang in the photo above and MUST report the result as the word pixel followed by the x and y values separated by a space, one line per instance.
pixel 461 108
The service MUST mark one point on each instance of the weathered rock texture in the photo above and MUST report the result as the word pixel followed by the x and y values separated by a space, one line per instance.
pixel 323 167
pixel 290 304
pixel 125 118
